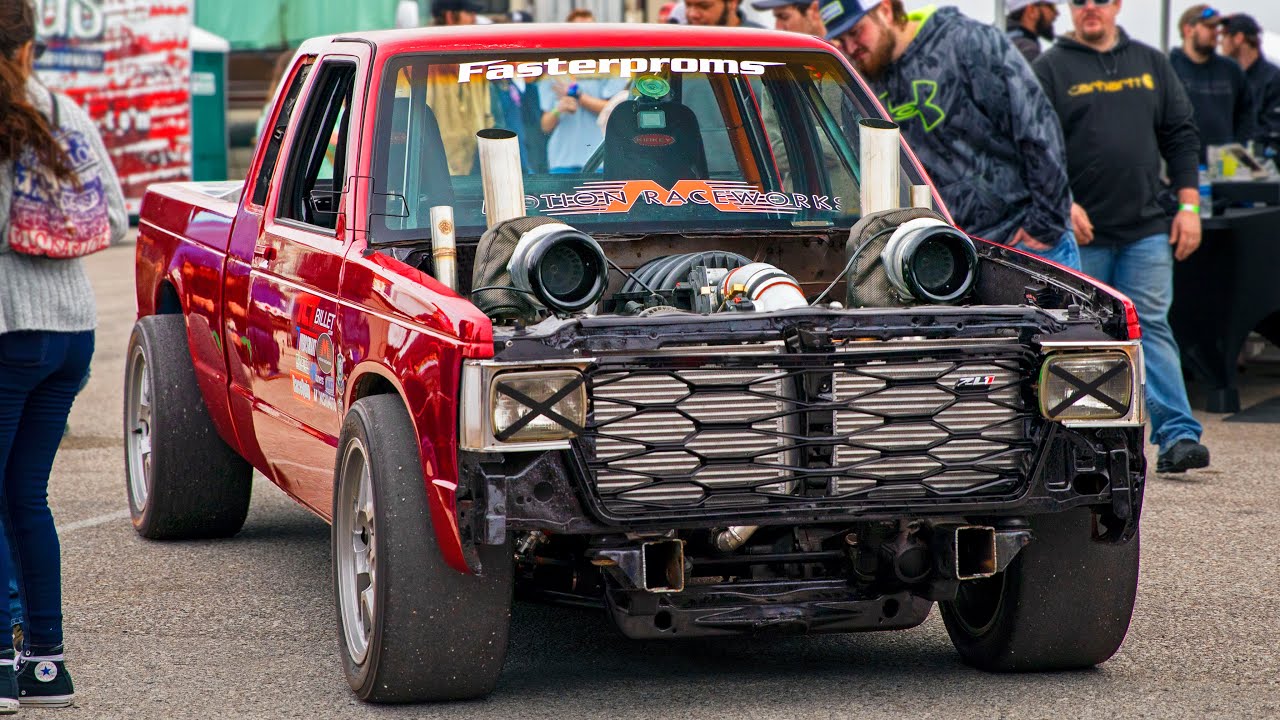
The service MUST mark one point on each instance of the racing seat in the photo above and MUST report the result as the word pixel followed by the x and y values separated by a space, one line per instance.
pixel 654 141
pixel 433 173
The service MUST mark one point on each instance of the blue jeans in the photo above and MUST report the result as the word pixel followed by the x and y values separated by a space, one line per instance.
pixel 1143 270
pixel 15 598
pixel 40 373
pixel 1065 253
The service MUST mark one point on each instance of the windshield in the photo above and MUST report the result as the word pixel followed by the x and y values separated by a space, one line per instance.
pixel 624 142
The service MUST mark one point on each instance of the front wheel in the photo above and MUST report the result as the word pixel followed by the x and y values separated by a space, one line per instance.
pixel 1064 602
pixel 410 627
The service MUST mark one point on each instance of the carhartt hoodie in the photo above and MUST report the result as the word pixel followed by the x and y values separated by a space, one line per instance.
pixel 1121 112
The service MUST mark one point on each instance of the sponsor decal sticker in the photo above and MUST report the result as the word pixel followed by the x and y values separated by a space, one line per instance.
pixel 301 386
pixel 323 318
pixel 618 67
pixel 324 353
pixel 325 401
pixel 306 344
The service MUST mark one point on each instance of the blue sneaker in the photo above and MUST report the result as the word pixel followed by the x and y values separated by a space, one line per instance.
pixel 43 680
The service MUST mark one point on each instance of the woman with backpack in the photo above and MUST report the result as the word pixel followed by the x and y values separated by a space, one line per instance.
pixel 59 199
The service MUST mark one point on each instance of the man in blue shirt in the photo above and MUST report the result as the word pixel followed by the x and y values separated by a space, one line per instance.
pixel 570 109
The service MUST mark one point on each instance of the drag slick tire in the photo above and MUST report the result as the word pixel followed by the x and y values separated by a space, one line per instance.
pixel 1064 602
pixel 410 627
pixel 183 480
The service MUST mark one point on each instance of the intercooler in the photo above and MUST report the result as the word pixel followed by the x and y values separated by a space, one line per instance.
pixel 745 427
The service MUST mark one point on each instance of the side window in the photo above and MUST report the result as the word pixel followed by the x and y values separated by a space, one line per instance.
pixel 263 183
pixel 316 172
pixel 804 121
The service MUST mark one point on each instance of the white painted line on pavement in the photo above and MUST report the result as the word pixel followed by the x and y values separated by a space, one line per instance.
pixel 92 522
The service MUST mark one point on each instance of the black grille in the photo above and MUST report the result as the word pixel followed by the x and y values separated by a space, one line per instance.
pixel 743 429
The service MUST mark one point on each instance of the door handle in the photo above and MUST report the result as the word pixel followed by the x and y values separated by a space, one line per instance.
pixel 265 252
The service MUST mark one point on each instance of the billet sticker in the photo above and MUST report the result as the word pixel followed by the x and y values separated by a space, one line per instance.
pixel 619 67
pixel 728 196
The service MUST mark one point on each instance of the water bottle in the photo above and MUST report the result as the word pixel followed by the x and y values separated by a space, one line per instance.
pixel 1206 193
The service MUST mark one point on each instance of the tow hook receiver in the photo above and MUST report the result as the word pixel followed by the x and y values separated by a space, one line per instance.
pixel 969 552
pixel 657 566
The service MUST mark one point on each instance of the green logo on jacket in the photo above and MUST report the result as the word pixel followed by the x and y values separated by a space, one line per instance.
pixel 921 105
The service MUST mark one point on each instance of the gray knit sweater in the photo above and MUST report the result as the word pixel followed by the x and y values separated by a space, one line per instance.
pixel 39 293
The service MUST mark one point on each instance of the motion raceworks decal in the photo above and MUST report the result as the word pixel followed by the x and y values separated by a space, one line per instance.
pixel 621 196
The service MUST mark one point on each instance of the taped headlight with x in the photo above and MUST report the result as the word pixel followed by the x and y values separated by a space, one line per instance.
pixel 538 406
pixel 1092 386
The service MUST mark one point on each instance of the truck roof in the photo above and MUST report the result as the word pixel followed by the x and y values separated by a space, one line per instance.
pixel 572 36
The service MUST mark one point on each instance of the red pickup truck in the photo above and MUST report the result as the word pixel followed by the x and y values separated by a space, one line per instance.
pixel 632 318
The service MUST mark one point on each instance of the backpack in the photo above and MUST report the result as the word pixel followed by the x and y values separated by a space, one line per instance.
pixel 53 217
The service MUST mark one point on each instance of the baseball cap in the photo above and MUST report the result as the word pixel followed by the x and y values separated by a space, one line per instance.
pixel 1200 14
pixel 840 15
pixel 1014 6
pixel 440 6
pixel 771 4
pixel 1241 23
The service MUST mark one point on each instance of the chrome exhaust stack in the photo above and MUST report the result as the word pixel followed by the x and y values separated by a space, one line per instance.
pixel 501 176
pixel 880 147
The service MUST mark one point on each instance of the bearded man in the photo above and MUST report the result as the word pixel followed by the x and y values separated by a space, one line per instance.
pixel 1028 22
pixel 723 13
pixel 972 111
pixel 1217 86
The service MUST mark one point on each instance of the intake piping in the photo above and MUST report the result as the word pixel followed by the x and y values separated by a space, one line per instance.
pixel 732 538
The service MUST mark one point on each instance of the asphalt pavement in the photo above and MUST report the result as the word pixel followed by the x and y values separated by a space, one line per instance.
pixel 245 628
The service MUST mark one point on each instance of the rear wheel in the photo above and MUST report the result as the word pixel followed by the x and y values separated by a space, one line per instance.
pixel 1063 603
pixel 411 628
pixel 183 480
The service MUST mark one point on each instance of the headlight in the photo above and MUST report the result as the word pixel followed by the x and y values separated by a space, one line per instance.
pixel 538 406
pixel 1086 386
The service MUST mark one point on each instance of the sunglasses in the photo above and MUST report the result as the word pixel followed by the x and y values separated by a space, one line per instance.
pixel 1082 3
pixel 40 48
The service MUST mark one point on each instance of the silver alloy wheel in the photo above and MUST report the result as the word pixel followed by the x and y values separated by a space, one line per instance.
pixel 357 561
pixel 138 435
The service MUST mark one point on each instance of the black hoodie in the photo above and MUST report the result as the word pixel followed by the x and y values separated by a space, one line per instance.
pixel 1121 111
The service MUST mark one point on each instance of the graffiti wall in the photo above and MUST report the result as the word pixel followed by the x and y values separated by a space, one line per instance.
pixel 128 63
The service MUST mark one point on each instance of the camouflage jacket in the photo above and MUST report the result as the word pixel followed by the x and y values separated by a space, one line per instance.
pixel 973 112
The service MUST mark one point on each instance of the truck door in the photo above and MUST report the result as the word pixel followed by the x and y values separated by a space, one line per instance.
pixel 293 288
pixel 245 236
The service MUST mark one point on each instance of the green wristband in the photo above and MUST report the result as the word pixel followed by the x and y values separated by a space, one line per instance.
pixel 1189 207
